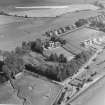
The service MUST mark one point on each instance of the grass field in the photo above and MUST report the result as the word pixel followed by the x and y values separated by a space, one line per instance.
pixel 8 96
pixel 74 39
pixel 14 30
pixel 36 91
pixel 42 2
pixel 52 12
pixel 9 19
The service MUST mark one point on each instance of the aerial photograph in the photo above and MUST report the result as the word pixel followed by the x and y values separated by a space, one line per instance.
pixel 52 52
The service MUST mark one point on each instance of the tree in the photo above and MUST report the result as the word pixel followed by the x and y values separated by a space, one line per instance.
pixel 25 16
pixel 13 64
pixel 46 44
pixel 53 57
pixel 1 64
pixel 26 46
pixel 81 22
pixel 62 59
pixel 53 38
pixel 37 46
pixel 62 41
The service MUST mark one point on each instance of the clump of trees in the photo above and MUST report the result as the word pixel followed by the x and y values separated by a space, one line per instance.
pixel 99 25
pixel 55 58
pixel 13 64
pixel 4 13
pixel 61 71
pixel 54 38
pixel 35 46
pixel 81 22
pixel 3 77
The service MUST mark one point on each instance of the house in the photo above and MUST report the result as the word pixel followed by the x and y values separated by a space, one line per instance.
pixel 54 44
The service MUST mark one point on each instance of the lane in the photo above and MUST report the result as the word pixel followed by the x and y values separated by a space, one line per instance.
pixel 94 95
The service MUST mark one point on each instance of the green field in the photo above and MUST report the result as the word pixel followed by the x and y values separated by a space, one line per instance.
pixel 74 39
pixel 14 30
pixel 36 91
pixel 41 2
pixel 8 96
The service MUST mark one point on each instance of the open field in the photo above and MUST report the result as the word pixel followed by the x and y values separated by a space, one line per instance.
pixel 51 11
pixel 74 39
pixel 9 19
pixel 37 91
pixel 42 2
pixel 15 30
pixel 8 96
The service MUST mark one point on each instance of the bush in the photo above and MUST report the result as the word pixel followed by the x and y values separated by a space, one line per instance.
pixel 55 58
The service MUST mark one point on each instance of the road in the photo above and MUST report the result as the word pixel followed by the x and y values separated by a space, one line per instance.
pixel 82 69
pixel 91 95
pixel 87 87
